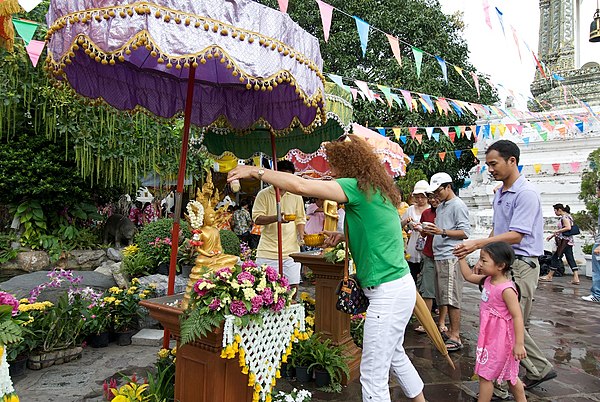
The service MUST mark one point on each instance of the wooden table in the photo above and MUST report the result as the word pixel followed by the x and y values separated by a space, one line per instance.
pixel 329 322
pixel 201 375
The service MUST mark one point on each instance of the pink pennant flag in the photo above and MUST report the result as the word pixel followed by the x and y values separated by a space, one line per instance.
pixel 556 167
pixel 34 50
pixel 326 15
pixel 413 132
pixel 395 45
pixel 486 11
pixel 476 81
pixel 445 130
pixel 519 129
pixel 283 5
pixel 354 92
pixel 516 38
pixel 407 97
pixel 575 167
pixel 364 88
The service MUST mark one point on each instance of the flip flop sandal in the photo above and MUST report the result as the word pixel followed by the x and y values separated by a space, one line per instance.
pixel 443 328
pixel 453 346
pixel 544 279
pixel 574 282
pixel 420 330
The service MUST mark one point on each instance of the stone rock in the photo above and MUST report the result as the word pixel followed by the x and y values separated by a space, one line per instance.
pixel 162 281
pixel 105 268
pixel 32 261
pixel 86 260
pixel 114 254
pixel 22 285
pixel 121 278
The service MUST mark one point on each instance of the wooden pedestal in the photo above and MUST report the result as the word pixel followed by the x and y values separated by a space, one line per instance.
pixel 201 375
pixel 329 322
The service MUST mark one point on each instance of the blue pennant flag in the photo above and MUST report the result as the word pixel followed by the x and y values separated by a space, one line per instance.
pixel 363 33
pixel 520 167
pixel 526 140
pixel 436 136
pixel 403 139
pixel 458 153
pixel 412 158
pixel 381 130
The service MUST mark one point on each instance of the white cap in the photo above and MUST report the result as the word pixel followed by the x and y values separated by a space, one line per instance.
pixel 437 180
pixel 420 187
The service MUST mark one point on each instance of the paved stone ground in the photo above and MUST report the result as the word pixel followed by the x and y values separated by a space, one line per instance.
pixel 565 327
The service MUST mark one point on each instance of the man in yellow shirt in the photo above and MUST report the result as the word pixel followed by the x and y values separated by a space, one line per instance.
pixel 264 212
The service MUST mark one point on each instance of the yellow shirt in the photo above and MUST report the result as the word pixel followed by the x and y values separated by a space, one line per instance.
pixel 265 205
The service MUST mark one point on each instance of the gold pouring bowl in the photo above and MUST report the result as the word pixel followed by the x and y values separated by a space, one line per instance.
pixel 314 240
pixel 289 217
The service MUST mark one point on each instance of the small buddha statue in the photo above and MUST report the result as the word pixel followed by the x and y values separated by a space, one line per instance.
pixel 202 218
pixel 330 209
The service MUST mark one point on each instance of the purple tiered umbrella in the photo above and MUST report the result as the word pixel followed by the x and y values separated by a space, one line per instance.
pixel 232 63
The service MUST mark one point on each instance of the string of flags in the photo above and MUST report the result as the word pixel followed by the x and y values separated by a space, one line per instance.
pixel 24 28
pixel 551 168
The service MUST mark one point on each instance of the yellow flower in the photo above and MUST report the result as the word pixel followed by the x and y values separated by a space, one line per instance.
pixel 135 281
pixel 163 353
pixel 130 250
pixel 174 351
pixel 304 296
pixel 109 299
pixel 24 300
pixel 1 350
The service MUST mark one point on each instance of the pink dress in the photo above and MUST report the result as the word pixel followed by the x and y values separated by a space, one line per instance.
pixel 494 360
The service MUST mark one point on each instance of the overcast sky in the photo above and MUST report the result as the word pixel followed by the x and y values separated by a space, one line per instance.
pixel 491 52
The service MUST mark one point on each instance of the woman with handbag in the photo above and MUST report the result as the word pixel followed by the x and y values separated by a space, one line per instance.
pixel 374 235
pixel 564 244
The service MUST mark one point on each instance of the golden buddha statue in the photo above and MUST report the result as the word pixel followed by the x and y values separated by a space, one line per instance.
pixel 330 209
pixel 202 218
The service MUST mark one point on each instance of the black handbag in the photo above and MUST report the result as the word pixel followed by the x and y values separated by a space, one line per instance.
pixel 574 231
pixel 351 298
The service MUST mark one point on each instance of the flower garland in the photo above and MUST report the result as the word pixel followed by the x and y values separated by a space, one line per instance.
pixel 10 333
pixel 7 392
pixel 263 347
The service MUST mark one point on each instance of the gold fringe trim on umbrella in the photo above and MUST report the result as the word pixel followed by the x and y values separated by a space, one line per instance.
pixel 7 34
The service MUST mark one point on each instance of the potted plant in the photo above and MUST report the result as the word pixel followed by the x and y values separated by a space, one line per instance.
pixel 124 309
pixel 135 263
pixel 97 323
pixel 160 253
pixel 302 358
pixel 186 257
pixel 329 364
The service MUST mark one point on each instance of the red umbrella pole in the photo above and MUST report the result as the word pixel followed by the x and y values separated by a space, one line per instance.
pixel 278 203
pixel 179 192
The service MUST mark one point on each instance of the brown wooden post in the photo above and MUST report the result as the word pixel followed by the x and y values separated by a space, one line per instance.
pixel 331 323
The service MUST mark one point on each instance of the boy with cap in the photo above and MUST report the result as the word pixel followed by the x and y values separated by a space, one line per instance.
pixel 450 228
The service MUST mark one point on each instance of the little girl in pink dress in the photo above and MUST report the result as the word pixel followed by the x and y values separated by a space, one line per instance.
pixel 500 345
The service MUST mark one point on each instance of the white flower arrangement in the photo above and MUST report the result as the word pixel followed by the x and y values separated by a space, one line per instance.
pixel 6 385
pixel 195 212
pixel 294 396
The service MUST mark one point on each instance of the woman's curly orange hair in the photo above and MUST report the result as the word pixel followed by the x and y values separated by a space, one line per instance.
pixel 355 158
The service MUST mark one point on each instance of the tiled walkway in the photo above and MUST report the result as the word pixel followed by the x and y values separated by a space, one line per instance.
pixel 565 327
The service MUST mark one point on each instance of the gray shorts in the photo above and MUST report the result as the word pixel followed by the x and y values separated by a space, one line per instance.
pixel 449 283
pixel 427 283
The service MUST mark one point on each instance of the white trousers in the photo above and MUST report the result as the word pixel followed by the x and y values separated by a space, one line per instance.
pixel 391 305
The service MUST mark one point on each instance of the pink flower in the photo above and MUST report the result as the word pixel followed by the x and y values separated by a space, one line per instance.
pixel 201 292
pixel 238 308
pixel 215 304
pixel 248 264
pixel 283 281
pixel 267 296
pixel 257 302
pixel 272 274
pixel 223 273
pixel 279 305
pixel 9 300
pixel 245 276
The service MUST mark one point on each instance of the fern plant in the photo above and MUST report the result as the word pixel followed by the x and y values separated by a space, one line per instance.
pixel 10 331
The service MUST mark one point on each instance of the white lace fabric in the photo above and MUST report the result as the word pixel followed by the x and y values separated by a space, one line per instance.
pixel 6 385
pixel 263 347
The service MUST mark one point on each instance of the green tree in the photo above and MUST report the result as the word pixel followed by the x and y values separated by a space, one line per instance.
pixel 422 24
pixel 588 219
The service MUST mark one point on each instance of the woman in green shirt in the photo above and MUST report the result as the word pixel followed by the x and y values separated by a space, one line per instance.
pixel 375 239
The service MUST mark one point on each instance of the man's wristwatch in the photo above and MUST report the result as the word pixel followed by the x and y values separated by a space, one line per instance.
pixel 444 234
pixel 261 171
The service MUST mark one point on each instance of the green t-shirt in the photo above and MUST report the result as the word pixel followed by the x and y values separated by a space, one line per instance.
pixel 375 236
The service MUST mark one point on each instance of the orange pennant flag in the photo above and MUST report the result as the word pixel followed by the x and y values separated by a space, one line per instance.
pixel 395 45
pixel 419 138
pixel 442 155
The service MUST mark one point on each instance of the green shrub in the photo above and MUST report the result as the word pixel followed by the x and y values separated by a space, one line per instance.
pixel 7 253
pixel 230 242
pixel 136 265
pixel 162 229
pixel 587 248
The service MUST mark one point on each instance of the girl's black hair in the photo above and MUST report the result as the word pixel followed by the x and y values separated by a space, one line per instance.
pixel 502 253
pixel 562 207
